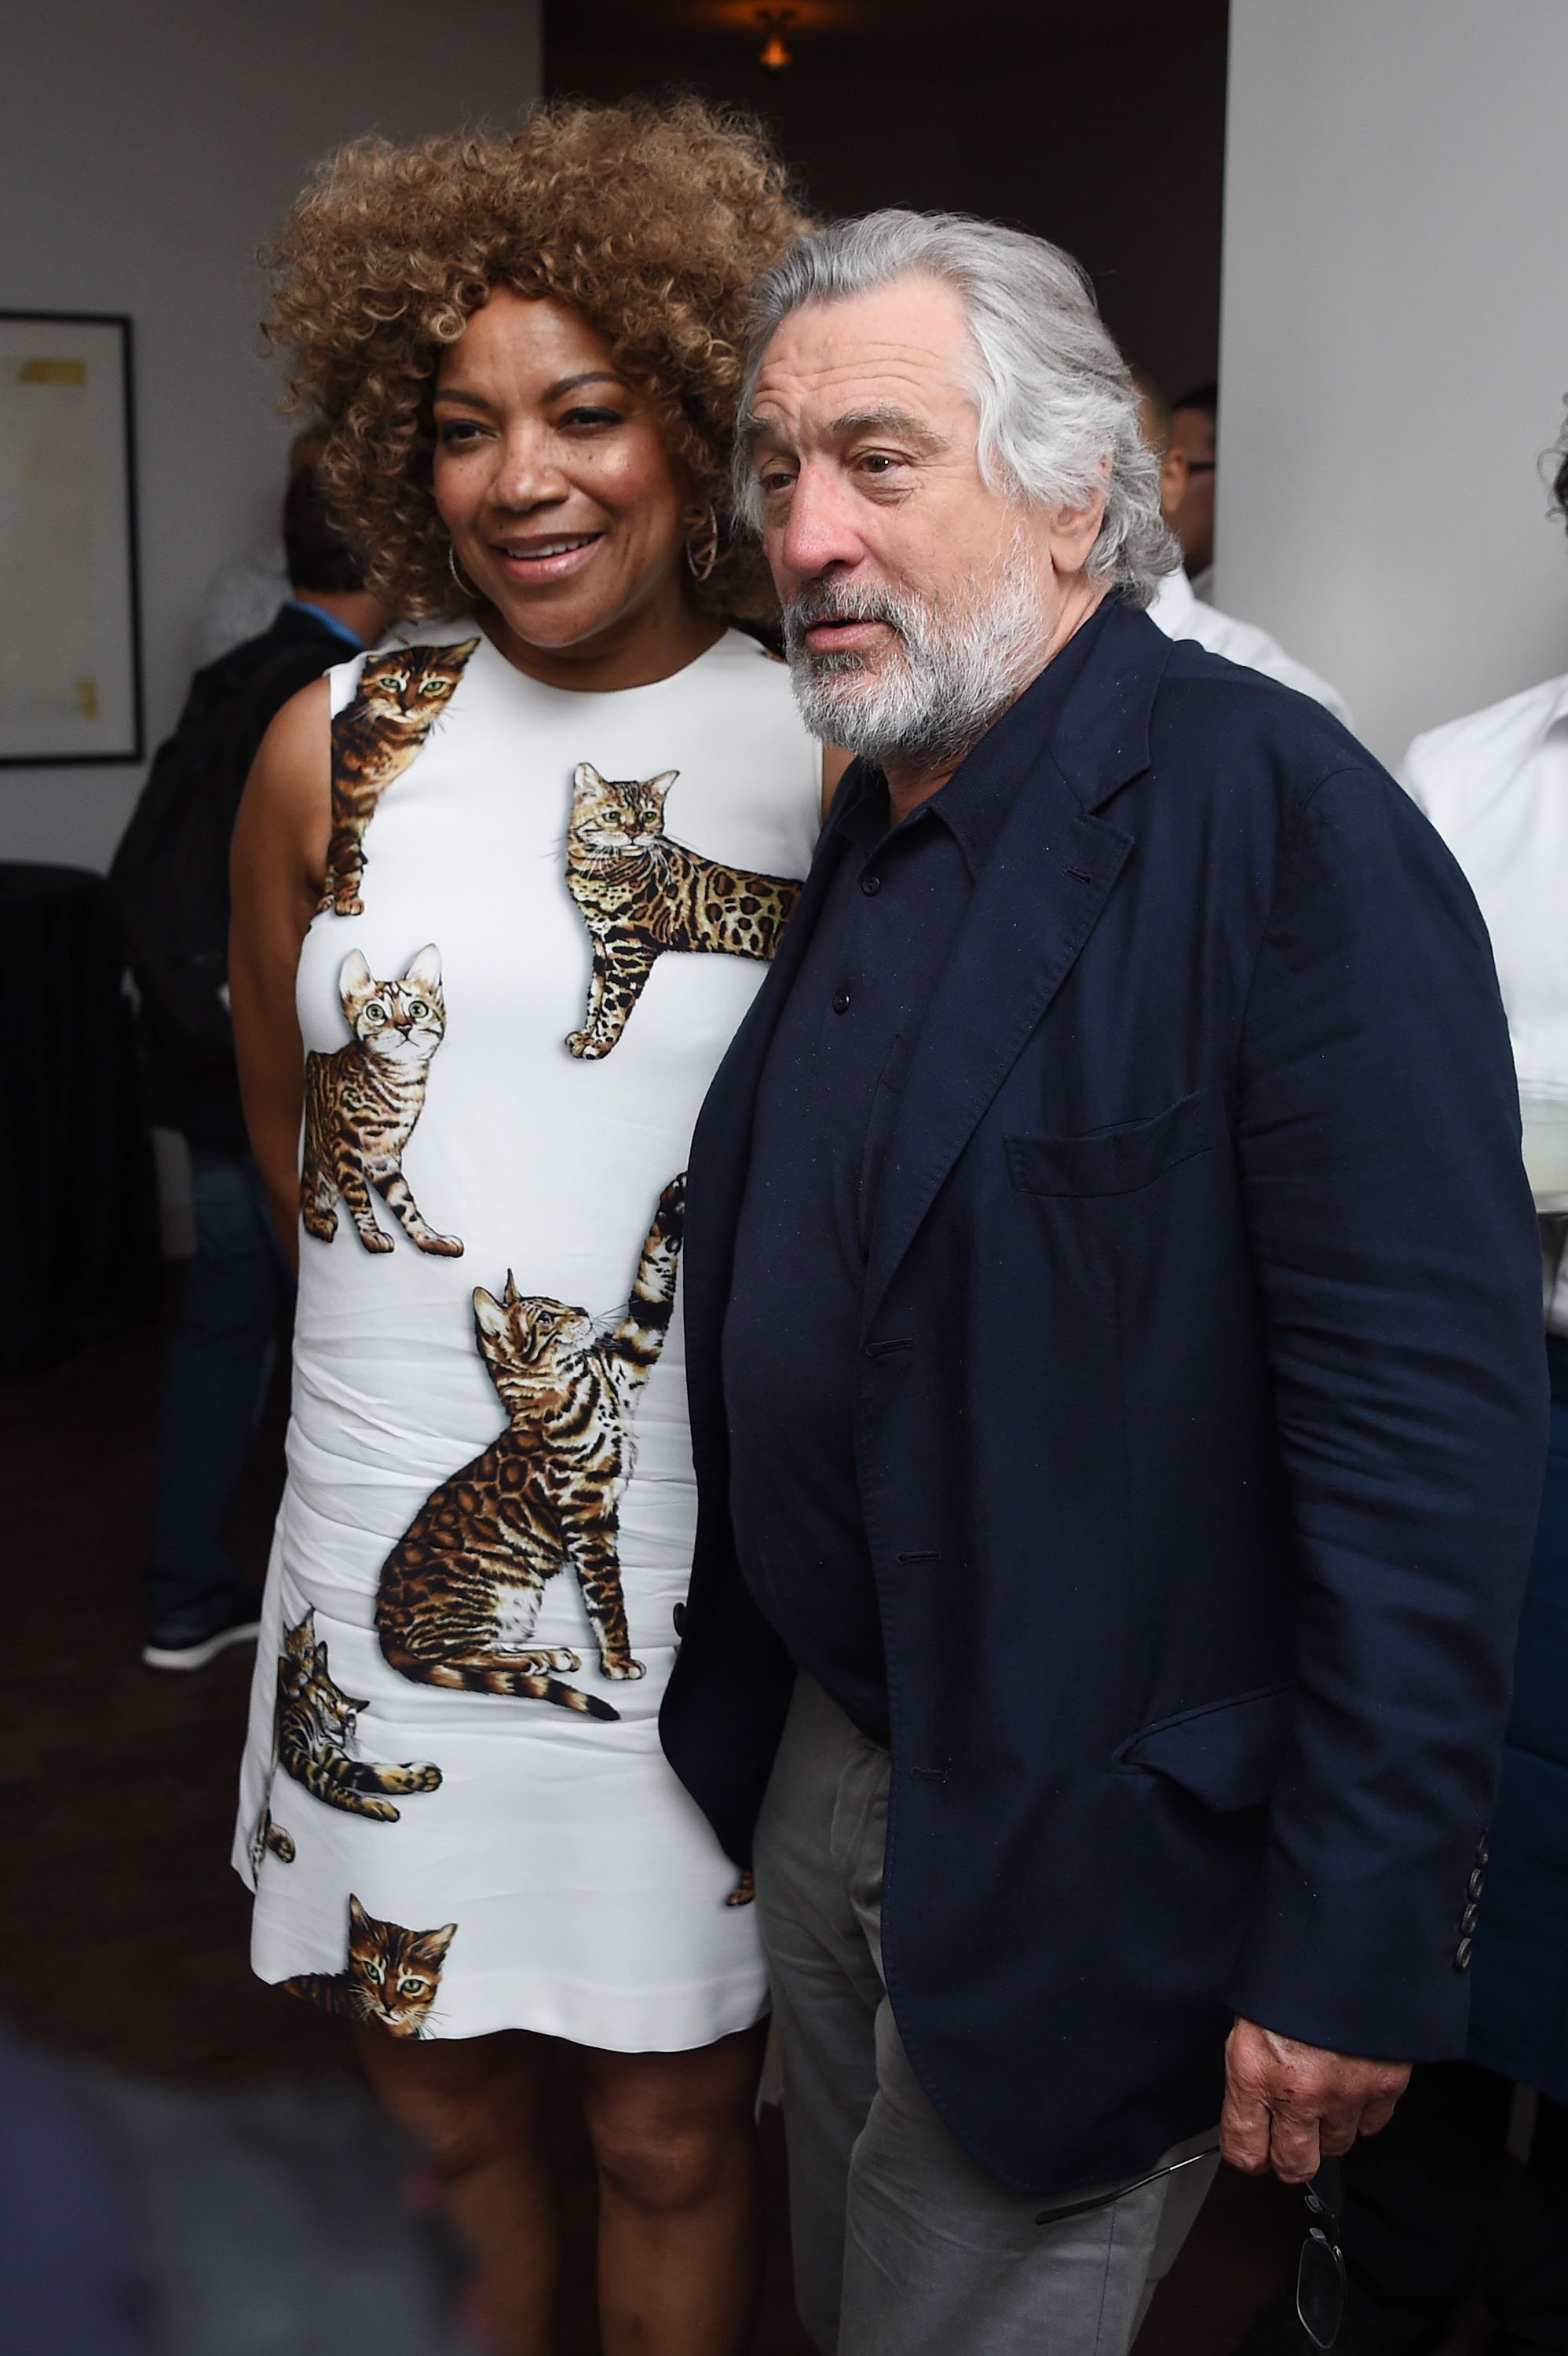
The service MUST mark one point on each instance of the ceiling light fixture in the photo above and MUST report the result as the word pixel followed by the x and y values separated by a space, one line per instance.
pixel 773 57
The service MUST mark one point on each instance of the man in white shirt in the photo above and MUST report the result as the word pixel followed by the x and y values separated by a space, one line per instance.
pixel 1177 606
pixel 1419 2214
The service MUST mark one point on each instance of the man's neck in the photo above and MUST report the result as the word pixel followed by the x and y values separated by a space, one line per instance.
pixel 912 782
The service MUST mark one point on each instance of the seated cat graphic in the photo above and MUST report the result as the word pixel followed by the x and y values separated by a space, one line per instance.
pixel 640 893
pixel 317 1725
pixel 362 1101
pixel 400 697
pixel 460 1591
pixel 391 1976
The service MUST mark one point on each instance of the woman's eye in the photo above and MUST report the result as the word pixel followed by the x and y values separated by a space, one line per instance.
pixel 453 429
pixel 592 417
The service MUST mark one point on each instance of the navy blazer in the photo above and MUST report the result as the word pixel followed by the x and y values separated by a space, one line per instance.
pixel 1200 1427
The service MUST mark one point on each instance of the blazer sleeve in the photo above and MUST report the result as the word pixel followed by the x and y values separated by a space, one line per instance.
pixel 1395 1246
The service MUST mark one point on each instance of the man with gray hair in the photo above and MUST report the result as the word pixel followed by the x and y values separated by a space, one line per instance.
pixel 1113 1333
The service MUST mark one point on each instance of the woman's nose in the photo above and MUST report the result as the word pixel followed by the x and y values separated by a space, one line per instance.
pixel 528 474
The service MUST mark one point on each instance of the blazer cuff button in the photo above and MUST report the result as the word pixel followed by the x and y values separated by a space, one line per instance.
pixel 1462 1953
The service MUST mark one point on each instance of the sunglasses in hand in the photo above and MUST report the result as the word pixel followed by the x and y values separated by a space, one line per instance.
pixel 1320 2267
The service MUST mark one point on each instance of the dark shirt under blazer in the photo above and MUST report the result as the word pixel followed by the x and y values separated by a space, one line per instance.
pixel 825 1103
pixel 1200 1425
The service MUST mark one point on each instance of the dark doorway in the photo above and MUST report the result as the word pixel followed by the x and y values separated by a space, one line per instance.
pixel 1100 125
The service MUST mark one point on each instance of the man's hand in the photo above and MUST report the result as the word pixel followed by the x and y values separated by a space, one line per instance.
pixel 1288 2106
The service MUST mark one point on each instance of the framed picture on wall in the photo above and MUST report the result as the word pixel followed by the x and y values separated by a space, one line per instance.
pixel 69 655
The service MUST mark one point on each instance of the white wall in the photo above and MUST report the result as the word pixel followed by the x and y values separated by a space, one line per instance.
pixel 1394 345
pixel 145 152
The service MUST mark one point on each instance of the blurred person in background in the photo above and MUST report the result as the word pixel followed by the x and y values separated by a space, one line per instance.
pixel 1421 2220
pixel 501 898
pixel 1187 492
pixel 1177 605
pixel 243 596
pixel 170 882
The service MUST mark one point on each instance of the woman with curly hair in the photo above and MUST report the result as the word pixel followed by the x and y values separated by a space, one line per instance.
pixel 504 889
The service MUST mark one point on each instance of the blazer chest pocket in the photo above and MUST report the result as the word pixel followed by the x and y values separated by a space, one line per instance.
pixel 1117 1161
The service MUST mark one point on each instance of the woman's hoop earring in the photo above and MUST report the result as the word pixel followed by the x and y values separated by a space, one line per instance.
pixel 464 588
pixel 702 548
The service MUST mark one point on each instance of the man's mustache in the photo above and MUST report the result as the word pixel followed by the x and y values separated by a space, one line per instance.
pixel 823 601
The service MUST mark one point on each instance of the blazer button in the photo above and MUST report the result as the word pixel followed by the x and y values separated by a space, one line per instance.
pixel 1477 1883
pixel 1469 1918
pixel 1462 1955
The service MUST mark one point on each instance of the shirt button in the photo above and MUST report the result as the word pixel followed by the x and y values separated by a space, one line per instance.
pixel 840 1002
pixel 871 885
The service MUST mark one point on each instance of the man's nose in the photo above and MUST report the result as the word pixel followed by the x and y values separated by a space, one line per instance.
pixel 819 530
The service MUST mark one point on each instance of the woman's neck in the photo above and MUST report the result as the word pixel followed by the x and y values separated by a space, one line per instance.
pixel 637 648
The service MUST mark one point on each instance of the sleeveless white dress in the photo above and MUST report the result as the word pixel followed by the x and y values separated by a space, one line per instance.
pixel 590 1899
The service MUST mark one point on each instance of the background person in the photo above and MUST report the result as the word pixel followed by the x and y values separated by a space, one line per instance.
pixel 1186 493
pixel 243 596
pixel 170 881
pixel 1421 2217
pixel 512 888
pixel 1177 606
pixel 1114 1330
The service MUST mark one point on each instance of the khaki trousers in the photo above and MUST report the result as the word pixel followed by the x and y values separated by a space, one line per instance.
pixel 903 2246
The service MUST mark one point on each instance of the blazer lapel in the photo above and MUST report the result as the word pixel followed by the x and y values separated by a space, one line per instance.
pixel 1035 907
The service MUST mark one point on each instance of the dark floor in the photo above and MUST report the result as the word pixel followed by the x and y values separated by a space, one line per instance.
pixel 116 1792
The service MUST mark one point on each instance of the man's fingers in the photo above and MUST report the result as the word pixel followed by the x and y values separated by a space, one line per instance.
pixel 1294 2148
pixel 1244 2125
pixel 1378 2114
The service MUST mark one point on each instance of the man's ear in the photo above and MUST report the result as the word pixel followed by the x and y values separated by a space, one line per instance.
pixel 1073 531
pixel 1172 482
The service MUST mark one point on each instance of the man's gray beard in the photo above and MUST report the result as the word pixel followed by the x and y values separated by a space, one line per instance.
pixel 947 675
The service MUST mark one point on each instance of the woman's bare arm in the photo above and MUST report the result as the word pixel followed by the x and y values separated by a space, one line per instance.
pixel 276 867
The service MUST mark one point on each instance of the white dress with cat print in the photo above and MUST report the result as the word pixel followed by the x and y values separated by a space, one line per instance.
pixel 542 1867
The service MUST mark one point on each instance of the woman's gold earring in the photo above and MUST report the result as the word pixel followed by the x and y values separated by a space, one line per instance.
pixel 702 548
pixel 465 589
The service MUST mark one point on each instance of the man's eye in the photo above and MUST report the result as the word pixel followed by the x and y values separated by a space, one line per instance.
pixel 777 480
pixel 878 461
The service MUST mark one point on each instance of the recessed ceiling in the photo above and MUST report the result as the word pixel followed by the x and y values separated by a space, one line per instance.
pixel 899 35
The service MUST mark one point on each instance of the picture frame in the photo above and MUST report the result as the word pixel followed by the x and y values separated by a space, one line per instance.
pixel 70 655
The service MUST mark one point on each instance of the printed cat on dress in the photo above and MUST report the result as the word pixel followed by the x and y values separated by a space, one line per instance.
pixel 363 1100
pixel 317 1733
pixel 401 696
pixel 460 1592
pixel 641 893
pixel 391 1976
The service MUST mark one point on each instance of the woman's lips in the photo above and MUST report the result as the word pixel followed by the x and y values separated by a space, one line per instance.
pixel 552 559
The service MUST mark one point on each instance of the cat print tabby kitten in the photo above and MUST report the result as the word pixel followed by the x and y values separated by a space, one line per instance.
pixel 640 893
pixel 316 1722
pixel 391 1976
pixel 361 1103
pixel 401 696
pixel 460 1592
pixel 270 1841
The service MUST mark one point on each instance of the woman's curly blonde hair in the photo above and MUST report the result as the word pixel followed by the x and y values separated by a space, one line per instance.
pixel 653 220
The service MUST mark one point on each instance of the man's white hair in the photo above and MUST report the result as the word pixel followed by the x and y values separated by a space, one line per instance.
pixel 1059 412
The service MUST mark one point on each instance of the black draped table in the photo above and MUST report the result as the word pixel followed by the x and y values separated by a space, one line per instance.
pixel 79 1221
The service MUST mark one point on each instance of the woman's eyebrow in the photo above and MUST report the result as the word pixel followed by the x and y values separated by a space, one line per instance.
pixel 551 392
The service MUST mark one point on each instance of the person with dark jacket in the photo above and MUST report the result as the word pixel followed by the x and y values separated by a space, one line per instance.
pixel 170 879
pixel 1113 1333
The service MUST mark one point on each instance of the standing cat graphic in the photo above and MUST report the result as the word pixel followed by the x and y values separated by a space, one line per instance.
pixel 316 1722
pixel 362 1101
pixel 640 893
pixel 460 1591
pixel 391 1976
pixel 401 696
